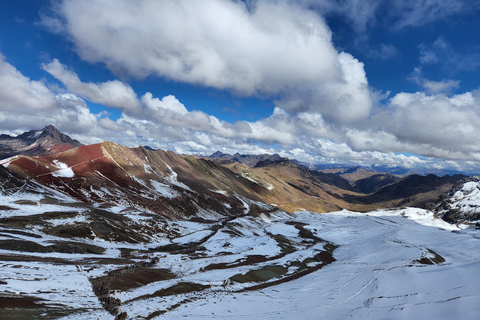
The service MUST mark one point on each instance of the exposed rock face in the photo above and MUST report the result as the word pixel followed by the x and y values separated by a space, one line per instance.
pixel 248 159
pixel 374 182
pixel 411 191
pixel 462 203
pixel 36 142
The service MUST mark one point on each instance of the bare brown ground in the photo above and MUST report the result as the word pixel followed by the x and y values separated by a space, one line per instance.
pixel 24 302
pixel 133 278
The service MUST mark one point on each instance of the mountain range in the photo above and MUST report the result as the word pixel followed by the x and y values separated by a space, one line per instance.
pixel 104 231
pixel 185 186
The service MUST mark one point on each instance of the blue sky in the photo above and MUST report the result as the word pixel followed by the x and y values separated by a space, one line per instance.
pixel 393 83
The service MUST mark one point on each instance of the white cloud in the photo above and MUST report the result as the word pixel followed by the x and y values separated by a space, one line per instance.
pixel 431 125
pixel 274 48
pixel 433 87
pixel 167 103
pixel 417 13
pixel 111 93
pixel 440 86
pixel 19 93
pixel 427 56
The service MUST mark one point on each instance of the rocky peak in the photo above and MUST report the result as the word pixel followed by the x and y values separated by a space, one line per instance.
pixel 36 142
pixel 217 154
pixel 462 203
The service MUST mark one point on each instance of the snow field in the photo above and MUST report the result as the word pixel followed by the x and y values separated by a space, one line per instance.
pixel 377 273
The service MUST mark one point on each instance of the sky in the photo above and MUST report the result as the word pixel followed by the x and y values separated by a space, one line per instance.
pixel 391 83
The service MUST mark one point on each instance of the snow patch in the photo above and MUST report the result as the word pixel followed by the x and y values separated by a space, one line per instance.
pixel 467 198
pixel 64 171
pixel 172 178
pixel 165 190
pixel 35 134
pixel 6 162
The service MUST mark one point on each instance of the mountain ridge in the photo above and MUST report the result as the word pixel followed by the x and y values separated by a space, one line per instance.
pixel 248 159
pixel 186 186
pixel 48 140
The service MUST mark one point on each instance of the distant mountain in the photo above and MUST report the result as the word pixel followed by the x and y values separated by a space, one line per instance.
pixel 248 159
pixel 36 142
pixel 364 180
pixel 396 171
pixel 176 232
pixel 413 191
pixel 462 203
pixel 292 187
pixel 375 182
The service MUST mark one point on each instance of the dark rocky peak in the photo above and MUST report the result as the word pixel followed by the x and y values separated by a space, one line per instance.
pixel 352 170
pixel 277 162
pixel 50 130
pixel 217 154
pixel 48 140
pixel 53 132
pixel 248 159
pixel 57 135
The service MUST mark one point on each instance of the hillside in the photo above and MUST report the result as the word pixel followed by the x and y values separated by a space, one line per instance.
pixel 157 181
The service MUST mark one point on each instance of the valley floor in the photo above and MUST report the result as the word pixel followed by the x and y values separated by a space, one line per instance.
pixel 379 274
pixel 390 264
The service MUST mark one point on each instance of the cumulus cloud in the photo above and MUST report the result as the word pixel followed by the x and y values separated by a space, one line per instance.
pixel 416 123
pixel 27 104
pixel 274 49
pixel 112 93
pixel 18 92
pixel 431 125
pixel 167 103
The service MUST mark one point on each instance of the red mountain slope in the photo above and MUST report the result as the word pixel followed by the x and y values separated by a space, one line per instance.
pixel 158 181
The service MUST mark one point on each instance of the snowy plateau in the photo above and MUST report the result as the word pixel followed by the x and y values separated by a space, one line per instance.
pixel 386 264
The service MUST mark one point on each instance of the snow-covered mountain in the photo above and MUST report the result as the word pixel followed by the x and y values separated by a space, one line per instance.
pixel 462 203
